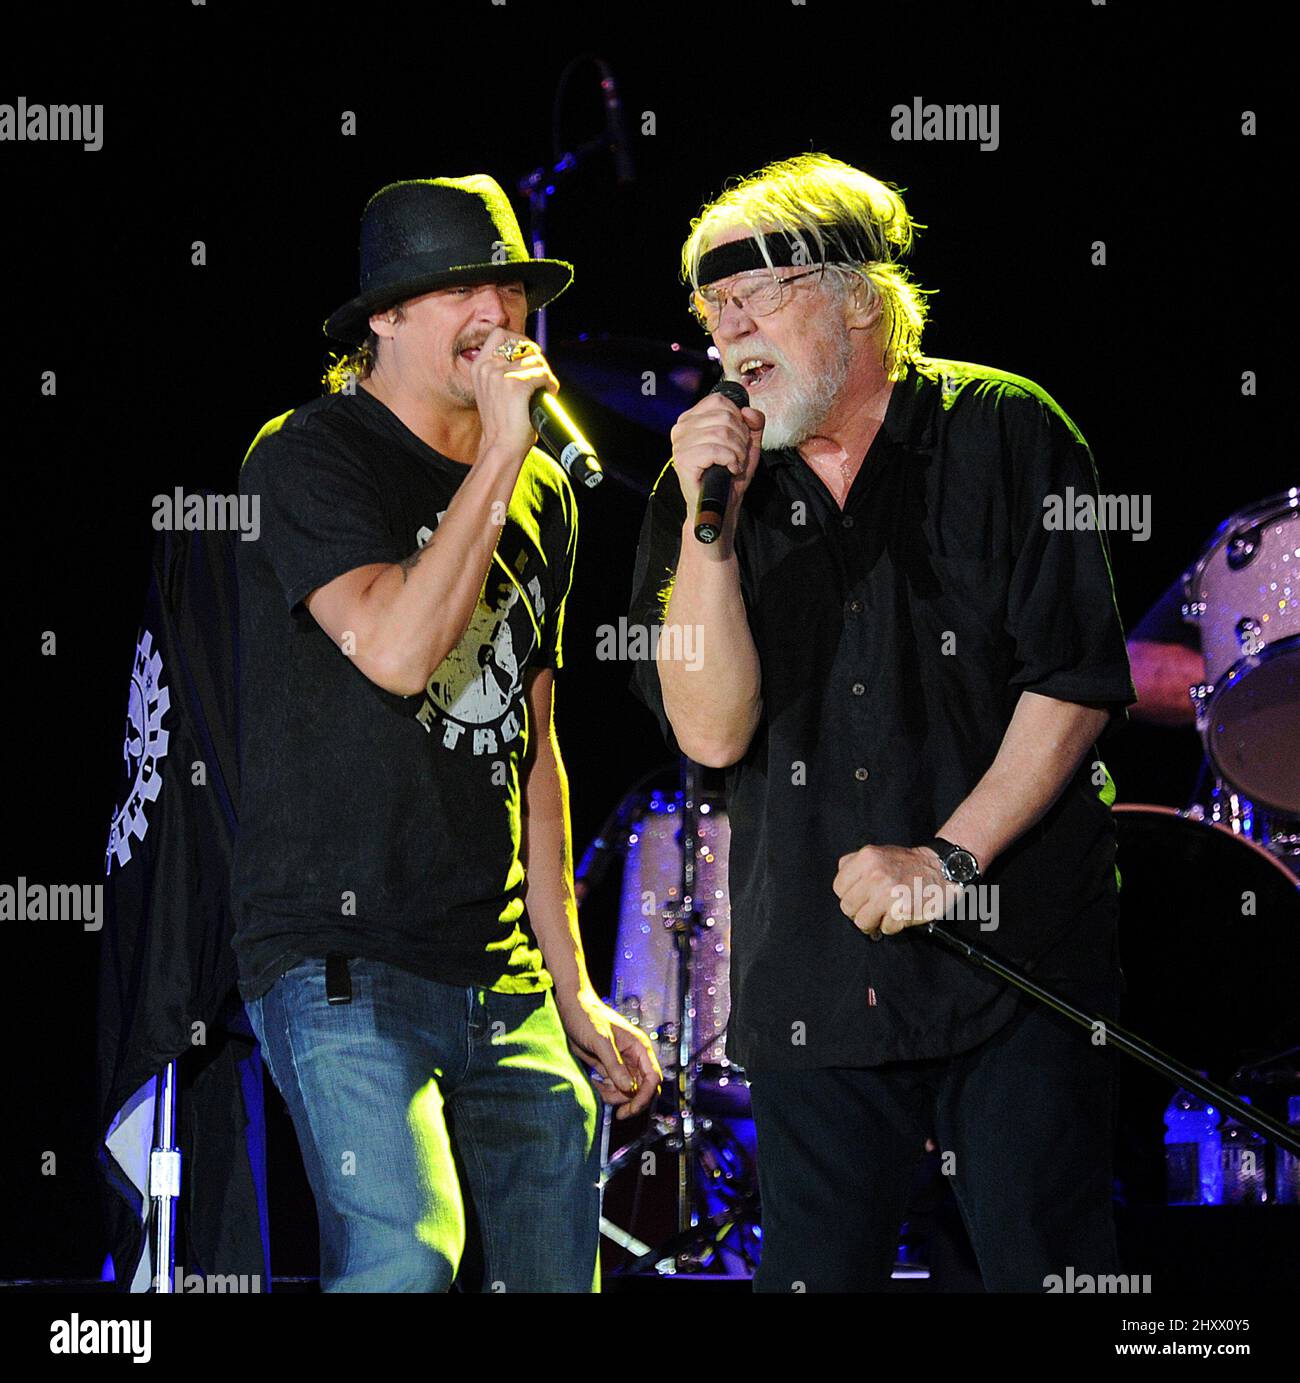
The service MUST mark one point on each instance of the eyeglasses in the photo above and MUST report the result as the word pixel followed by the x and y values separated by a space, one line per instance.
pixel 759 296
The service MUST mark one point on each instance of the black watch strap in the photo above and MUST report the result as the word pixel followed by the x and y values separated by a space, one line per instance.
pixel 945 849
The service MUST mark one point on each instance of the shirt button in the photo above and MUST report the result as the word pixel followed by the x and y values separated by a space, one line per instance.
pixel 847 520
pixel 861 774
pixel 858 689
pixel 855 606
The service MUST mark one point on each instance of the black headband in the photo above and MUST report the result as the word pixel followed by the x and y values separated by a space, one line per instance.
pixel 737 256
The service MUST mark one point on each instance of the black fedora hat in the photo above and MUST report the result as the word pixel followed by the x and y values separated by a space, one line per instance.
pixel 434 232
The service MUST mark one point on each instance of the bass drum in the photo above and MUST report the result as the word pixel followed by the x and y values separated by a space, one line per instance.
pixel 1210 948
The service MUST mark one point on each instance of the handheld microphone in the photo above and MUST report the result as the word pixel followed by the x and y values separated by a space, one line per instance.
pixel 559 434
pixel 715 484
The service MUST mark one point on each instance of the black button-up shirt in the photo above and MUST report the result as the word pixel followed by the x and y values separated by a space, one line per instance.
pixel 894 640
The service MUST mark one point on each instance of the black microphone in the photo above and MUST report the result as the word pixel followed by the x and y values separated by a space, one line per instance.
pixel 559 434
pixel 715 484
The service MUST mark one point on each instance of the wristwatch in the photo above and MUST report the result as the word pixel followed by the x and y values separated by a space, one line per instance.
pixel 959 866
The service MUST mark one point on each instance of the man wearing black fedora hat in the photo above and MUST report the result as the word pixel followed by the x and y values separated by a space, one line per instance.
pixel 403 889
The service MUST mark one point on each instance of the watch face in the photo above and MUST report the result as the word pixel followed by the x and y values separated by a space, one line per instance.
pixel 961 867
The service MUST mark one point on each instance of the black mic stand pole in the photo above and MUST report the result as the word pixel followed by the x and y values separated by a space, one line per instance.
pixel 540 184
pixel 683 919
pixel 1127 1042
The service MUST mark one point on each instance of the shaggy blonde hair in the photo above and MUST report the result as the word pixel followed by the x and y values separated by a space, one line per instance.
pixel 828 207
pixel 357 364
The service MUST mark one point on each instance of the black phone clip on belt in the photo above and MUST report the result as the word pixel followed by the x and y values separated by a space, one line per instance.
pixel 338 980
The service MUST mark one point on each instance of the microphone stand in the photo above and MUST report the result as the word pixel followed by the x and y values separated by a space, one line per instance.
pixel 1127 1042
pixel 540 184
pixel 685 928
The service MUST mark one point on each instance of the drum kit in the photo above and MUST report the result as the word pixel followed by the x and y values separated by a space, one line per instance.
pixel 1243 823
pixel 1210 894
pixel 671 974
pixel 1244 595
pixel 1210 922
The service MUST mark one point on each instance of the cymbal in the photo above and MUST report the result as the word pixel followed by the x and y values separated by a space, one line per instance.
pixel 617 371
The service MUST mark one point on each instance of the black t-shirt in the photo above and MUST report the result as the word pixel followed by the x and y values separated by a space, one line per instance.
pixel 894 640
pixel 370 823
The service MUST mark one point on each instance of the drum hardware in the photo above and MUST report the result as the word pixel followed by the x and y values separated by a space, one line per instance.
pixel 681 999
pixel 1284 1070
pixel 692 1250
pixel 1222 806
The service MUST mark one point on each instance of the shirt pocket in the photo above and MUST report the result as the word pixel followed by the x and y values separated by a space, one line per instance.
pixel 968 613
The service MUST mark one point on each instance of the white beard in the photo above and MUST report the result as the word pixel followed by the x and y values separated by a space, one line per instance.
pixel 801 402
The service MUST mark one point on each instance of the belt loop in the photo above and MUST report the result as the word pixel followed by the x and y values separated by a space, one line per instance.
pixel 338 980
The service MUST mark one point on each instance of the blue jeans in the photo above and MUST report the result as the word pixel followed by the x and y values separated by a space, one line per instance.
pixel 390 1091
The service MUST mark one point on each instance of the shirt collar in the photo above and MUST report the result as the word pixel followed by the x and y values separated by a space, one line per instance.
pixel 909 419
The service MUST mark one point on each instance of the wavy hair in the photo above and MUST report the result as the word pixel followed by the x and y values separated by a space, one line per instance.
pixel 356 365
pixel 828 208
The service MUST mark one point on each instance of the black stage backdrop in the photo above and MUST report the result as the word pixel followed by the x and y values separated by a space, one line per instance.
pixel 225 124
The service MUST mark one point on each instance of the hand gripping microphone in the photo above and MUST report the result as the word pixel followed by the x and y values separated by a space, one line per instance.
pixel 715 485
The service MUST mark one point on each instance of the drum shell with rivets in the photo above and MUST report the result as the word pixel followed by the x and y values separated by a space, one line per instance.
pixel 1244 596
pixel 645 963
